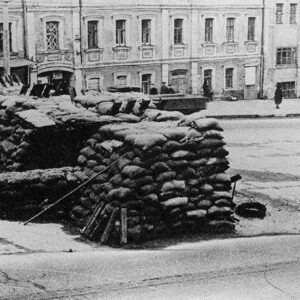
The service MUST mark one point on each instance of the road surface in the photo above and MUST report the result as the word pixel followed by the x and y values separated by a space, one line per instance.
pixel 245 268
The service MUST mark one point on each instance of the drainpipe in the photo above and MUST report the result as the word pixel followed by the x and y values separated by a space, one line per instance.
pixel 25 33
pixel 262 59
pixel 80 31
pixel 6 42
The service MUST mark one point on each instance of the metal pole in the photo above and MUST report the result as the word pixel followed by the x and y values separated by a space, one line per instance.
pixel 6 38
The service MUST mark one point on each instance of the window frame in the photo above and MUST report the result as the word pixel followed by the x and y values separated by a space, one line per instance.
pixel 279 13
pixel 251 29
pixel 57 33
pixel 10 27
pixel 178 31
pixel 229 78
pixel 93 42
pixel 146 32
pixel 208 30
pixel 230 29
pixel 209 77
pixel 286 56
pixel 293 13
pixel 120 33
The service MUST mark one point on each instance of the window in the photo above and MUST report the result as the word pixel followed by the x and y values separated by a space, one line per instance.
pixel 121 80
pixel 230 30
pixel 279 13
pixel 1 37
pixel 52 38
pixel 92 34
pixel 293 13
pixel 251 29
pixel 120 32
pixel 229 78
pixel 94 84
pixel 209 30
pixel 146 81
pixel 286 56
pixel 288 89
pixel 178 31
pixel 146 32
pixel 208 77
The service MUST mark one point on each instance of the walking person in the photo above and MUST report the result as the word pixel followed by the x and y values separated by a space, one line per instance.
pixel 278 96
pixel 164 89
pixel 207 91
pixel 153 90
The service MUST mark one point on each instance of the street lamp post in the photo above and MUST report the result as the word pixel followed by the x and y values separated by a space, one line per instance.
pixel 6 42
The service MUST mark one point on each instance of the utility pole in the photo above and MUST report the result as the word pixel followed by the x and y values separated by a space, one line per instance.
pixel 6 41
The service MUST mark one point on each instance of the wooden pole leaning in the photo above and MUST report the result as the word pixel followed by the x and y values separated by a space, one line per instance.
pixel 73 191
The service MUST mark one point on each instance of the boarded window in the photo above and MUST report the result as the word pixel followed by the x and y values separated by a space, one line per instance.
pixel 92 34
pixel 94 84
pixel 250 75
pixel 52 35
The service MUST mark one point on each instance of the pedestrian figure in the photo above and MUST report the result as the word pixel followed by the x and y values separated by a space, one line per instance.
pixel 170 89
pixel 207 92
pixel 164 89
pixel 153 90
pixel 278 96
pixel 72 93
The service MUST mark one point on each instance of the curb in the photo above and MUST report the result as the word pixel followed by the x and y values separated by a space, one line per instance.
pixel 254 116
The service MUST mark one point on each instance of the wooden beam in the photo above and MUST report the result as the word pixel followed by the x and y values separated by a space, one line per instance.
pixel 124 225
pixel 109 225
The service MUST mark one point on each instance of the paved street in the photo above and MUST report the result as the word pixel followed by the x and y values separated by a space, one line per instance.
pixel 217 269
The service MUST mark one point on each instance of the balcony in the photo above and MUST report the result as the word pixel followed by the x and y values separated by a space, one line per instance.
pixel 54 56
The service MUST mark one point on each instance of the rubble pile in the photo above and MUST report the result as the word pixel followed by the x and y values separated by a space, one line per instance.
pixel 170 175
pixel 23 194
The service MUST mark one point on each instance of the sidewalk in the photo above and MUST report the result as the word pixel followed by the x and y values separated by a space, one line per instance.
pixel 252 109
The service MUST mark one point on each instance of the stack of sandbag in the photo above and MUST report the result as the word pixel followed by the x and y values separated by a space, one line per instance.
pixel 23 194
pixel 113 103
pixel 170 176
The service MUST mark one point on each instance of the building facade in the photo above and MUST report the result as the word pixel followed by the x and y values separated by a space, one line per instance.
pixel 94 44
pixel 282 46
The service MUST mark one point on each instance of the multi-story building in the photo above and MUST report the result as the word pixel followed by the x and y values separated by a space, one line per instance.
pixel 17 43
pixel 282 46
pixel 98 43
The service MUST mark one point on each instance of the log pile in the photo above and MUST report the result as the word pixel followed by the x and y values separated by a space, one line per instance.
pixel 23 194
pixel 172 178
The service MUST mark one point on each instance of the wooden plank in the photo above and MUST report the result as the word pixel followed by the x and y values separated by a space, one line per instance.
pixel 124 225
pixel 109 225
pixel 90 224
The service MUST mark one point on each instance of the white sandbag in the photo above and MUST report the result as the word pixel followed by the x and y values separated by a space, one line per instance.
pixel 175 202
pixel 199 213
pixel 190 118
pixel 170 116
pixel 130 118
pixel 150 114
pixel 111 145
pixel 147 140
pixel 206 124
pixel 173 185
pixel 104 108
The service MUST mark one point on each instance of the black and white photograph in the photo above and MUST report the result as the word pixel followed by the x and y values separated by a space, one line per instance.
pixel 150 149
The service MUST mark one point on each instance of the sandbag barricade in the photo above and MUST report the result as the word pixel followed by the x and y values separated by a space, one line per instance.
pixel 172 179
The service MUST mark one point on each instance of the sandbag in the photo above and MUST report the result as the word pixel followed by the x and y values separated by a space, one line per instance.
pixel 190 118
pixel 171 146
pixel 134 172
pixel 173 185
pixel 199 213
pixel 119 194
pixel 130 118
pixel 169 116
pixel 166 176
pixel 159 167
pixel 175 202
pixel 221 177
pixel 105 108
pixel 183 154
pixel 206 124
pixel 146 140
